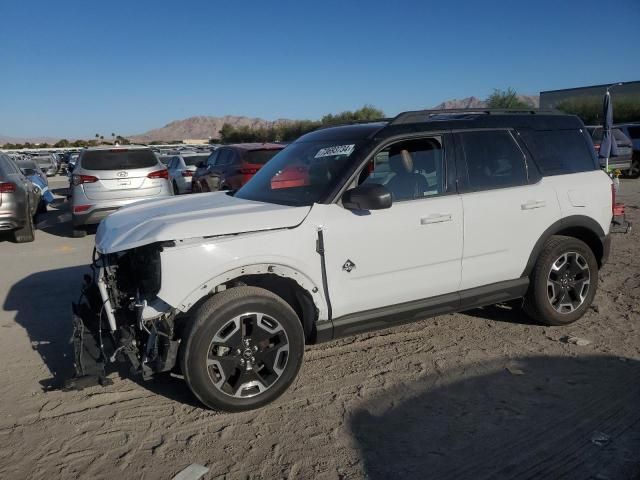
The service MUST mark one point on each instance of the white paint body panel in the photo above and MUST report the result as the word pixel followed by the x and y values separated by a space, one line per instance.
pixel 191 216
pixel 408 252
pixel 587 194
pixel 501 228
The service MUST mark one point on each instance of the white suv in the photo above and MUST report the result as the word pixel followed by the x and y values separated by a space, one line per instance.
pixel 348 229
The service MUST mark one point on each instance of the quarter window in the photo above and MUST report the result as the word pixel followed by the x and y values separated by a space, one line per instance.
pixel 559 152
pixel 493 160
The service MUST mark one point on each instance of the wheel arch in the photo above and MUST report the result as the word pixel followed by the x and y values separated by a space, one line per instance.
pixel 288 283
pixel 577 226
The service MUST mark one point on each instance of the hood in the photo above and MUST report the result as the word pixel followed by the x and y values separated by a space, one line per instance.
pixel 191 216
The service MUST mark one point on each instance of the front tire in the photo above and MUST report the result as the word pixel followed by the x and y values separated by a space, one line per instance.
pixel 242 349
pixel 563 282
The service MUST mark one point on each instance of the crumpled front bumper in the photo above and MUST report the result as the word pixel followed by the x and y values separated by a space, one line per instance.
pixel 88 339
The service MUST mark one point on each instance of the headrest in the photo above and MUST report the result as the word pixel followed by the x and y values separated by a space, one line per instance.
pixel 401 162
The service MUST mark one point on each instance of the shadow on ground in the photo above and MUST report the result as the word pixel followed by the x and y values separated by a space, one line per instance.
pixel 545 417
pixel 42 302
pixel 510 312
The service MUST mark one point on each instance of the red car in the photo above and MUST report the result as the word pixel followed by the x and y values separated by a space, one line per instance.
pixel 231 166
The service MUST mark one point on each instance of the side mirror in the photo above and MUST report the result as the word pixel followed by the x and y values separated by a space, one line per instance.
pixel 368 196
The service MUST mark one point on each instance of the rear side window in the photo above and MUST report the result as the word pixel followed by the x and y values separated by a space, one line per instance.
pixel 493 160
pixel 225 157
pixel 260 157
pixel 620 137
pixel 559 152
pixel 195 160
pixel 634 132
pixel 118 159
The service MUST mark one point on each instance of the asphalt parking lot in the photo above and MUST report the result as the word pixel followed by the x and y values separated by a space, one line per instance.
pixel 484 394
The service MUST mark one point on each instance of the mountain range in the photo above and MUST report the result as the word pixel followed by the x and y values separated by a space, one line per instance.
pixel 204 127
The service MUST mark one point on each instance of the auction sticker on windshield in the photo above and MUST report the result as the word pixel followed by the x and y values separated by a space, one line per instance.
pixel 335 150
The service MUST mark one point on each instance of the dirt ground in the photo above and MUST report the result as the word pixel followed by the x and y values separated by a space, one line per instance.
pixel 481 395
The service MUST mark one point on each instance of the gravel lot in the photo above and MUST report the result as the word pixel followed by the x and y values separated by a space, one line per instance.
pixel 484 394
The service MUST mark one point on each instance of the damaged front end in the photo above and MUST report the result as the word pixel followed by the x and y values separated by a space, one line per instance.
pixel 120 318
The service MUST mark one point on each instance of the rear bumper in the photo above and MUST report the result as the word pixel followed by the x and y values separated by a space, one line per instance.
pixel 7 223
pixel 92 216
pixel 9 220
pixel 101 208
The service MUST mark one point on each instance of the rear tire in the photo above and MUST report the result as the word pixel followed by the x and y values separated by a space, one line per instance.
pixel 25 234
pixel 78 232
pixel 634 171
pixel 242 349
pixel 563 282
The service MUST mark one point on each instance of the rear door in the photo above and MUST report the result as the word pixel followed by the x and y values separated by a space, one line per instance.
pixel 121 173
pixel 507 206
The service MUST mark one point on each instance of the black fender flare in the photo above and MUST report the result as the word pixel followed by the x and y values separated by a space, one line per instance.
pixel 581 222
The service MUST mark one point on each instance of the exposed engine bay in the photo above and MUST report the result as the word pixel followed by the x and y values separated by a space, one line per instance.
pixel 108 321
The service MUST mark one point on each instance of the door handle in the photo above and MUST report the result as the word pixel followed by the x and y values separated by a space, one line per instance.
pixel 436 218
pixel 531 204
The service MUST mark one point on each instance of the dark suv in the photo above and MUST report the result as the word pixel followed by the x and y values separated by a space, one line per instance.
pixel 231 166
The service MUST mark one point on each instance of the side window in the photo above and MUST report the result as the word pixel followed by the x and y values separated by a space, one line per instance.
pixel 222 158
pixel 558 152
pixel 212 158
pixel 493 160
pixel 410 169
pixel 634 132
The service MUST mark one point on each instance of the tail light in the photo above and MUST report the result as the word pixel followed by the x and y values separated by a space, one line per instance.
pixel 7 187
pixel 81 208
pixel 80 179
pixel 187 173
pixel 596 146
pixel 248 170
pixel 613 199
pixel 159 174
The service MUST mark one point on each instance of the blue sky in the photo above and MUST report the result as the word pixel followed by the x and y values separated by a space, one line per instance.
pixel 73 68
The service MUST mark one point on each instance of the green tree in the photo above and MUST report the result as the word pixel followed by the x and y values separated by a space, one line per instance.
pixel 505 99
pixel 64 143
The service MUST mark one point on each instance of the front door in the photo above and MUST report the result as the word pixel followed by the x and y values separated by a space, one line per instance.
pixel 409 252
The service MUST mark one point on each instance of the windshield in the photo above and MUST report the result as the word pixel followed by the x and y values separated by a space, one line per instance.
pixel 302 174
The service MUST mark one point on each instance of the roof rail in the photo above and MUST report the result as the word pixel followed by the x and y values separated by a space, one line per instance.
pixel 420 116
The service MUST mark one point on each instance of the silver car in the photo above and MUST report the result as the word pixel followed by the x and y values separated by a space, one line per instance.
pixel 181 169
pixel 47 163
pixel 105 179
pixel 18 201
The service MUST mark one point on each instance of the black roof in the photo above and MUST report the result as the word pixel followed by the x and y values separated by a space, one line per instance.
pixel 436 120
